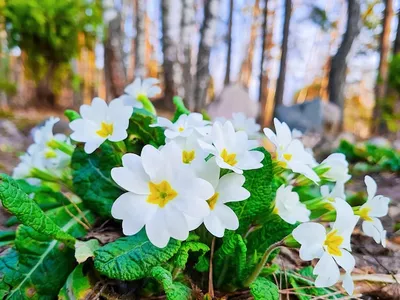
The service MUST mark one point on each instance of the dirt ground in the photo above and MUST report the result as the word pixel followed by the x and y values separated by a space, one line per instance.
pixel 377 268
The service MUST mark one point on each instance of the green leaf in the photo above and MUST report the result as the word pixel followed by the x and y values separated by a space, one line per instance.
pixel 28 212
pixel 258 183
pixel 92 179
pixel 263 289
pixel 173 290
pixel 182 256
pixel 71 115
pixel 139 126
pixel 77 286
pixel 7 237
pixel 180 108
pixel 44 263
pixel 132 257
pixel 84 250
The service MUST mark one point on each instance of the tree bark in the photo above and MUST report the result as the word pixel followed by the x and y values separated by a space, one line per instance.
pixel 396 47
pixel 171 14
pixel 115 73
pixel 140 39
pixel 337 74
pixel 262 96
pixel 247 65
pixel 188 31
pixel 207 39
pixel 282 69
pixel 229 44
pixel 383 69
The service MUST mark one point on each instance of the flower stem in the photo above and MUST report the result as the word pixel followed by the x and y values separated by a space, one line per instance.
pixel 262 263
pixel 120 146
pixel 62 146
pixel 147 105
pixel 210 272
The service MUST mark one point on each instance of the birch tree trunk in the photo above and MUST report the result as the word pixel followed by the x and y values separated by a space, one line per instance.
pixel 115 73
pixel 140 39
pixel 337 74
pixel 383 69
pixel 188 31
pixel 229 43
pixel 247 65
pixel 171 21
pixel 282 69
pixel 262 96
pixel 207 39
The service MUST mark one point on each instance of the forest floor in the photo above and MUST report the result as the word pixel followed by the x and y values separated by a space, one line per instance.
pixel 376 266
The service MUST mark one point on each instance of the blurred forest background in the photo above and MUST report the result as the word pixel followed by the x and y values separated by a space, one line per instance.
pixel 255 55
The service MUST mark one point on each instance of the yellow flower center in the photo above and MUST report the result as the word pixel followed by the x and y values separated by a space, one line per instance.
pixel 180 129
pixel 275 210
pixel 333 242
pixel 106 129
pixel 230 159
pixel 188 156
pixel 50 154
pixel 364 213
pixel 161 193
pixel 212 201
pixel 287 156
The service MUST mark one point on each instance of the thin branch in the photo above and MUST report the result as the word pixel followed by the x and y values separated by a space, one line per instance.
pixel 210 272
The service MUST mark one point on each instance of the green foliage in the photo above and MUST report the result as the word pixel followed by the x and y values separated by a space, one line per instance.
pixel 51 31
pixel 182 256
pixel 263 289
pixel 77 285
pixel 132 257
pixel 173 290
pixel 9 88
pixel 92 180
pixel 320 18
pixel 71 115
pixel 180 108
pixel 394 73
pixel 139 127
pixel 28 212
pixel 7 237
pixel 43 263
pixel 378 158
pixel 258 183
pixel 84 250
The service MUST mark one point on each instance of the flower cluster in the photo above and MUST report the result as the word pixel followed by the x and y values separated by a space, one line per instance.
pixel 192 179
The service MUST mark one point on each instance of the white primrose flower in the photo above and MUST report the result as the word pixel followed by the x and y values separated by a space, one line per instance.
pixel 289 207
pixel 101 122
pixel 185 126
pixel 29 161
pixel 376 206
pixel 228 188
pixel 290 153
pixel 191 152
pixel 332 248
pixel 140 90
pixel 160 192
pixel 339 168
pixel 330 196
pixel 232 149
pixel 242 123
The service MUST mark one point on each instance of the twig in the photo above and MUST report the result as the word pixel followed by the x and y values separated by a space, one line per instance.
pixel 80 212
pixel 210 272
pixel 76 218
pixel 383 278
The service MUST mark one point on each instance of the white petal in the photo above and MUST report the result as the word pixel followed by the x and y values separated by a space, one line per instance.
pixel 301 168
pixel 371 186
pixel 327 271
pixel 309 252
pixel 348 283
pixel 346 261
pixel 251 160
pixel 230 188
pixel 193 223
pixel 157 231
pixel 325 190
pixel 227 217
pixel 271 136
pixel 152 161
pixel 310 233
pixel 214 225
pixel 379 206
pixel 209 171
pixel 91 146
pixel 176 223
pixel 373 229
pixel 135 181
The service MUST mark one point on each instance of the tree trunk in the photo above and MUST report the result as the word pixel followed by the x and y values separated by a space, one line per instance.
pixel 396 47
pixel 383 69
pixel 188 31
pixel 171 14
pixel 262 96
pixel 115 73
pixel 140 39
pixel 207 38
pixel 282 69
pixel 337 74
pixel 247 65
pixel 229 43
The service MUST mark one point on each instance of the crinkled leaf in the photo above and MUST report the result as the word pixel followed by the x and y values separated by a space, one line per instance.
pixel 139 127
pixel 132 257
pixel 258 205
pixel 84 250
pixel 92 180
pixel 7 237
pixel 71 115
pixel 28 212
pixel 44 263
pixel 180 108
pixel 173 290
pixel 182 256
pixel 263 289
pixel 77 286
